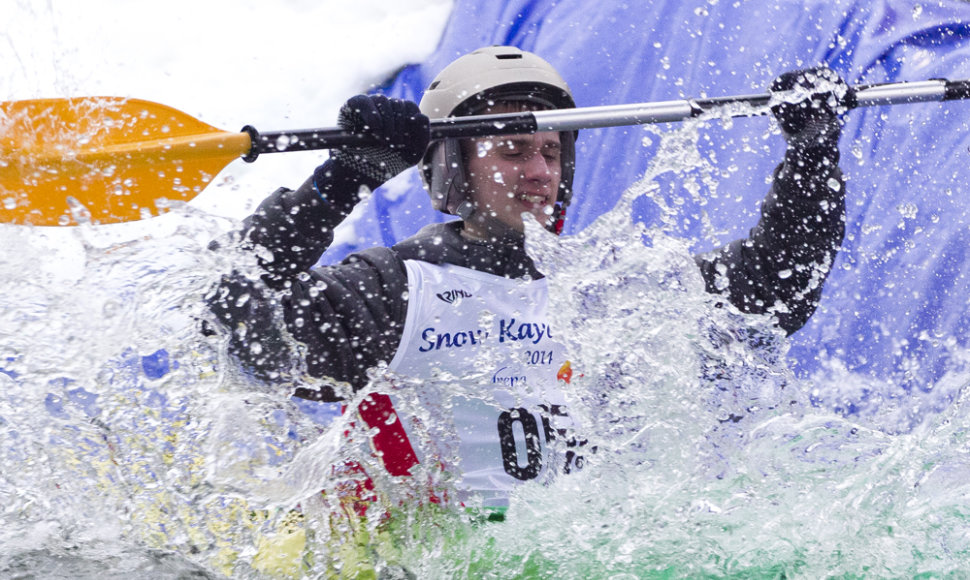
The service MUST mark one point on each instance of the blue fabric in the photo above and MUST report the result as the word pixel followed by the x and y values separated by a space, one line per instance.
pixel 895 306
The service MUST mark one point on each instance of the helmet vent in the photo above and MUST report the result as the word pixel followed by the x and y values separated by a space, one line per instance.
pixel 434 85
pixel 507 56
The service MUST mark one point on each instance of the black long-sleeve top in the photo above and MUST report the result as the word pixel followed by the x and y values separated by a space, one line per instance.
pixel 349 317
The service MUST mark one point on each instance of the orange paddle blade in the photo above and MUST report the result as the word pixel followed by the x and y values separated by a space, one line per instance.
pixel 113 159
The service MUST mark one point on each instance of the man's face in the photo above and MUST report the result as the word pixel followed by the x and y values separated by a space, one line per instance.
pixel 509 176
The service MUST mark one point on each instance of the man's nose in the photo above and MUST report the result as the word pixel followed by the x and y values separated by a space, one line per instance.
pixel 537 168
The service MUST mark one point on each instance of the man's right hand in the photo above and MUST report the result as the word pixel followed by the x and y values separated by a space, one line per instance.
pixel 403 131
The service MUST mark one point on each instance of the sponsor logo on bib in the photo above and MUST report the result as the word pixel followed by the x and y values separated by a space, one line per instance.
pixel 452 296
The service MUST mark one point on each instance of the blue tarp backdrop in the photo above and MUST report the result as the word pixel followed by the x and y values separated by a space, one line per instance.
pixel 895 306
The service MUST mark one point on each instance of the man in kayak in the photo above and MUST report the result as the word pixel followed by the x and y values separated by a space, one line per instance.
pixel 419 308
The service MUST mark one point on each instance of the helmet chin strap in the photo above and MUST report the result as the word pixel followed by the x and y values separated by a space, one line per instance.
pixel 465 210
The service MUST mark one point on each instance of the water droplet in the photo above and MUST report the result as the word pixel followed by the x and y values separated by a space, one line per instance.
pixel 908 210
pixel 79 212
pixel 110 309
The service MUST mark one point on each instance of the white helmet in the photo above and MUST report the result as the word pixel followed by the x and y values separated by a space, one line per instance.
pixel 468 86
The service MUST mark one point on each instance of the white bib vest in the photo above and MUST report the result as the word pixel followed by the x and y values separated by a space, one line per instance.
pixel 486 338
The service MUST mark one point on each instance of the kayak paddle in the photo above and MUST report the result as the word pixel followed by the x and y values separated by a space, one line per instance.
pixel 112 160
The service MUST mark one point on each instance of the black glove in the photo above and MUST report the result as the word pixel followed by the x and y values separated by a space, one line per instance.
pixel 399 125
pixel 809 115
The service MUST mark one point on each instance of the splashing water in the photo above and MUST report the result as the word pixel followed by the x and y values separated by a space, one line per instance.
pixel 133 447
pixel 709 459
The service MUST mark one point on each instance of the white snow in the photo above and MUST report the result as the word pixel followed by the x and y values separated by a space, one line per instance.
pixel 276 65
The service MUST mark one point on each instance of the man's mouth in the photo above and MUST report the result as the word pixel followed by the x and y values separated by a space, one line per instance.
pixel 532 199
